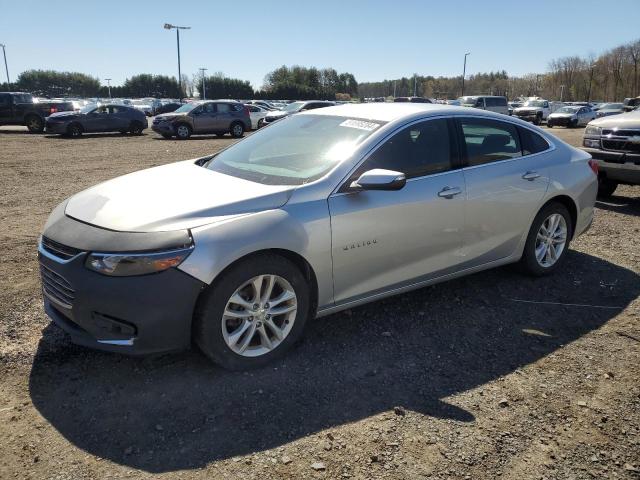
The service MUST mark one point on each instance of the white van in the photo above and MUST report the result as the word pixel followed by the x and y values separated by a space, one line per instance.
pixel 486 102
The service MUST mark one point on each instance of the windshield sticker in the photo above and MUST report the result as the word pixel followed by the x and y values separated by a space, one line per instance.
pixel 360 124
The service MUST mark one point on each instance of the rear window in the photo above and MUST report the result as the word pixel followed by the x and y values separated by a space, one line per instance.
pixel 531 142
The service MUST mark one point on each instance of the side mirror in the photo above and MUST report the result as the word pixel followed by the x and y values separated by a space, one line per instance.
pixel 380 179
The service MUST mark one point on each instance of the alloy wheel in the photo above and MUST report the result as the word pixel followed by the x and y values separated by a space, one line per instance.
pixel 259 315
pixel 183 131
pixel 237 130
pixel 551 240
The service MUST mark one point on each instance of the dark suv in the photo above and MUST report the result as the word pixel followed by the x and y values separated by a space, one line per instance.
pixel 217 116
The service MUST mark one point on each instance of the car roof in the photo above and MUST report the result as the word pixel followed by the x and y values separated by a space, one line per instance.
pixel 388 112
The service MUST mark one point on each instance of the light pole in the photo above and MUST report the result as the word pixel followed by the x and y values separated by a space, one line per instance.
pixel 561 92
pixel 464 71
pixel 593 65
pixel 415 84
pixel 168 26
pixel 394 89
pixel 4 52
pixel 109 86
pixel 204 89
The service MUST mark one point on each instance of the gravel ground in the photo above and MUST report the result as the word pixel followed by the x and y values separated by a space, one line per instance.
pixel 457 380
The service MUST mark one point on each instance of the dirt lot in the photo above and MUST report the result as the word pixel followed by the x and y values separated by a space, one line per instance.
pixel 457 380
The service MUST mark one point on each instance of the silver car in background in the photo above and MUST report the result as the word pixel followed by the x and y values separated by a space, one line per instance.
pixel 322 211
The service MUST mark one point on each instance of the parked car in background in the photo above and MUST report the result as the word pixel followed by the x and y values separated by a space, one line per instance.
pixel 167 107
pixel 263 104
pixel 455 103
pixel 486 102
pixel 18 108
pixel 631 104
pixel 257 115
pixel 295 107
pixel 322 211
pixel 412 100
pixel 211 116
pixel 607 109
pixel 98 118
pixel 144 106
pixel 571 116
pixel 614 142
pixel 533 111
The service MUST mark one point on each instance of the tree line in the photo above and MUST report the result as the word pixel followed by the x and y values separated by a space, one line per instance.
pixel 283 83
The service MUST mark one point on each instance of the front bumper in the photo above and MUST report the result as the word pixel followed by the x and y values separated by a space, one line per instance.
pixel 621 167
pixel 55 127
pixel 133 315
pixel 560 121
pixel 163 128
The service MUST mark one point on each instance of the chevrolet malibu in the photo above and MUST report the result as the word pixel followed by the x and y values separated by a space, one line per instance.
pixel 320 212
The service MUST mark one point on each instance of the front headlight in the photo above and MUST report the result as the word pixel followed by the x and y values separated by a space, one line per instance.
pixel 592 130
pixel 128 264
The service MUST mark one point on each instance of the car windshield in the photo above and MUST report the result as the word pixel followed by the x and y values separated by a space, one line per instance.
pixel 187 107
pixel 534 103
pixel 88 108
pixel 568 110
pixel 611 106
pixel 294 151
pixel 467 100
pixel 293 107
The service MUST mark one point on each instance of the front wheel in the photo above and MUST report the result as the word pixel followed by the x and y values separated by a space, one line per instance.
pixel 35 124
pixel 253 313
pixel 537 120
pixel 548 240
pixel 136 128
pixel 606 187
pixel 74 130
pixel 237 130
pixel 183 131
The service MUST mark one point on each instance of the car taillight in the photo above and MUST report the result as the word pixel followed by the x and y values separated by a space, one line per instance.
pixel 53 110
pixel 246 110
pixel 594 166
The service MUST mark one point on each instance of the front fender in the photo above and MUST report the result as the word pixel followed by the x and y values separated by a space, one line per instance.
pixel 301 229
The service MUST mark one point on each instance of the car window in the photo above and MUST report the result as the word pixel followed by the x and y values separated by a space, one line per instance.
pixel 208 108
pixel 4 99
pixel 235 107
pixel 418 150
pixel 531 142
pixel 489 141
pixel 491 102
pixel 254 109
pixel 116 109
pixel 223 107
pixel 101 110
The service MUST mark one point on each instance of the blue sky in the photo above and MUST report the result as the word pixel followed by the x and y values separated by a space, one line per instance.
pixel 246 39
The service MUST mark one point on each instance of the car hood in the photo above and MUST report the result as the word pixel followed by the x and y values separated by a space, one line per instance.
pixel 526 109
pixel 562 115
pixel 64 114
pixel 623 120
pixel 169 115
pixel 277 114
pixel 171 197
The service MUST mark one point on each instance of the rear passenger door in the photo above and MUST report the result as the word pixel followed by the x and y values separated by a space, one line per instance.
pixel 506 177
pixel 119 118
pixel 223 117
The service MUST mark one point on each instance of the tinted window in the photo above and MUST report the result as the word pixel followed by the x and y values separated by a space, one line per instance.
pixel 254 109
pixel 236 107
pixel 531 142
pixel 489 141
pixel 491 102
pixel 223 107
pixel 421 149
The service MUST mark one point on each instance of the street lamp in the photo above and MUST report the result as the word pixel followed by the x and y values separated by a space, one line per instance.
pixel 204 88
pixel 464 71
pixel 593 65
pixel 168 26
pixel 4 52
pixel 561 92
pixel 109 86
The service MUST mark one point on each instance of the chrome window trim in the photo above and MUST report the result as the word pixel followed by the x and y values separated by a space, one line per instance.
pixel 52 257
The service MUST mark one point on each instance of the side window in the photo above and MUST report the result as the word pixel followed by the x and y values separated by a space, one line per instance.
pixel 422 149
pixel 254 109
pixel 237 107
pixel 223 107
pixel 489 141
pixel 491 102
pixel 115 110
pixel 532 142
pixel 209 108
pixel 480 103
pixel 4 99
pixel 502 102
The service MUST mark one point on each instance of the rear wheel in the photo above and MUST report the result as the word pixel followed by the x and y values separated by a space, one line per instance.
pixel 136 128
pixel 260 123
pixel 74 130
pixel 34 123
pixel 606 187
pixel 254 312
pixel 183 131
pixel 237 130
pixel 548 240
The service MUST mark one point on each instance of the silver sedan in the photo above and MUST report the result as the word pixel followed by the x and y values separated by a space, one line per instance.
pixel 319 212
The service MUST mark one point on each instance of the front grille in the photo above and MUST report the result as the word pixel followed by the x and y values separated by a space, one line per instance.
pixel 621 132
pixel 59 250
pixel 621 146
pixel 56 287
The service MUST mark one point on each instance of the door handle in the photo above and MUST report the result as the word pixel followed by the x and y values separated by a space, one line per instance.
pixel 449 192
pixel 531 176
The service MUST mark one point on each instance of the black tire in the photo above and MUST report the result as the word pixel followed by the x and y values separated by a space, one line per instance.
pixel 166 136
pixel 237 130
pixel 549 125
pixel 528 263
pixel 183 131
pixel 606 187
pixel 208 317
pixel 573 123
pixel 537 120
pixel 260 123
pixel 75 130
pixel 34 124
pixel 136 128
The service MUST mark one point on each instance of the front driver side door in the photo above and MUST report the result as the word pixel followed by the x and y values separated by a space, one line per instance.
pixel 383 240
pixel 204 118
